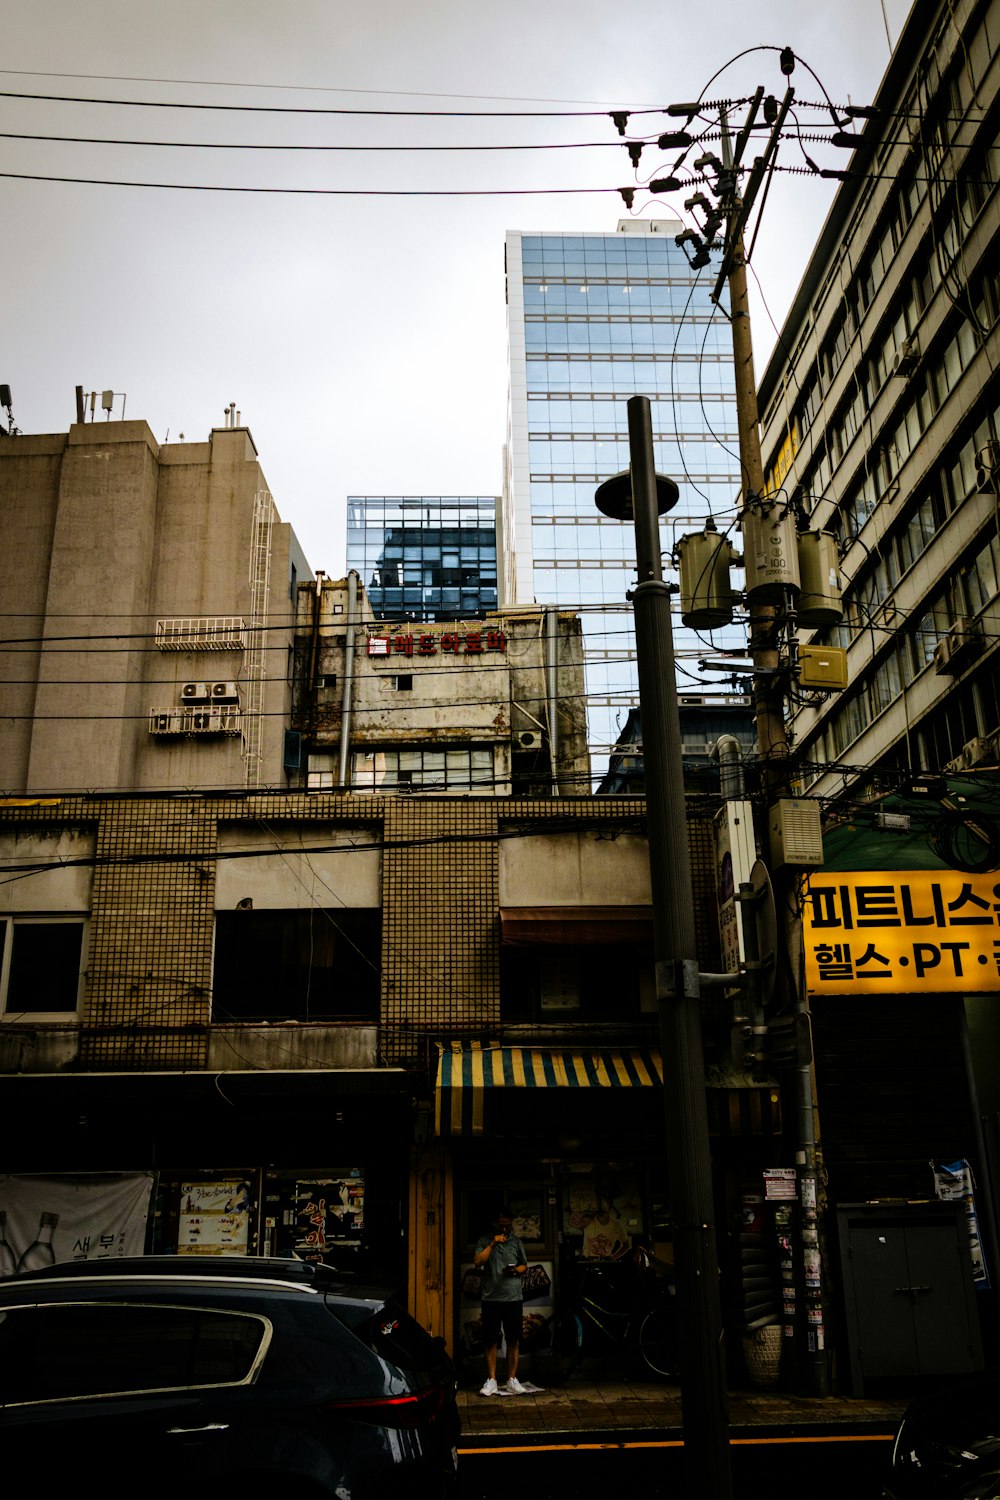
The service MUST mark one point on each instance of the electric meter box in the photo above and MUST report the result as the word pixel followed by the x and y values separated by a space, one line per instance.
pixel 795 834
pixel 823 667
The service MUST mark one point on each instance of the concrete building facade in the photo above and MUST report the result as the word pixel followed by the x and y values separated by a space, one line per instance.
pixel 880 412
pixel 149 597
pixel 265 988
pixel 487 707
pixel 881 417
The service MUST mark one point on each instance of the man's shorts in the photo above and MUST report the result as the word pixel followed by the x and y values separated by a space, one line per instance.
pixel 505 1315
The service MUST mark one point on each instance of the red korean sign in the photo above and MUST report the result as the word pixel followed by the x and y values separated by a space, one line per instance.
pixel 912 930
pixel 449 643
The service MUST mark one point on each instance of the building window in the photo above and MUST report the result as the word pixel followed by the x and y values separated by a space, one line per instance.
pixel 41 966
pixel 595 983
pixel 304 965
pixel 423 768
pixel 404 682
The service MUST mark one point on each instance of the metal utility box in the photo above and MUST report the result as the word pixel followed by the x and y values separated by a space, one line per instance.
pixel 909 1297
pixel 823 667
pixel 795 833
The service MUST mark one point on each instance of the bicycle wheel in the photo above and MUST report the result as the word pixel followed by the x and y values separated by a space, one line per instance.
pixel 565 1347
pixel 658 1341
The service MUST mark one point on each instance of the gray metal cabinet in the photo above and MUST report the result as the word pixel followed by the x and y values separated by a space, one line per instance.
pixel 909 1297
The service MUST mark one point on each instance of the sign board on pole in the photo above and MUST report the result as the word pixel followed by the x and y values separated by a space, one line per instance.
pixel 734 858
pixel 916 931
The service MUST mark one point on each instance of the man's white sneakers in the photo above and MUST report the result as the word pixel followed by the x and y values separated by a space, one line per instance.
pixel 490 1388
pixel 514 1387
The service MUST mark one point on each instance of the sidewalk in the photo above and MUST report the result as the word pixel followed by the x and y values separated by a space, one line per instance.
pixel 602 1409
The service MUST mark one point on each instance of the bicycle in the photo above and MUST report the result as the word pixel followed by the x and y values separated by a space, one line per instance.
pixel 609 1314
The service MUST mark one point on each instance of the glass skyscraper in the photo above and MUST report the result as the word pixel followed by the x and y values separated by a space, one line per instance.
pixel 592 320
pixel 425 557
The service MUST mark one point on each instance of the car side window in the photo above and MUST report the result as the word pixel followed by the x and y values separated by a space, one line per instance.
pixel 61 1352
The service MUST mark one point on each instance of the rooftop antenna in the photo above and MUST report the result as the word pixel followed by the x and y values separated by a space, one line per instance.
pixel 6 402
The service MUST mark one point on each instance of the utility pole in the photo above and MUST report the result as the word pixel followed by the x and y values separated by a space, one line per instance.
pixel 641 494
pixel 772 589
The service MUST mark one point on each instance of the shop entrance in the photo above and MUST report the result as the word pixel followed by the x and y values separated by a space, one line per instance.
pixel 573 1214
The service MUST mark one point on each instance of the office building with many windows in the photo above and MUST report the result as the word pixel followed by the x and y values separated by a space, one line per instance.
pixel 425 557
pixel 883 402
pixel 592 320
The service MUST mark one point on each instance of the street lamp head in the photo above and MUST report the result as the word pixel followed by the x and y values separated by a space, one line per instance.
pixel 614 497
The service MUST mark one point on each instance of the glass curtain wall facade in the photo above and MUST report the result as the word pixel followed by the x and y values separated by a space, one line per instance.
pixel 425 557
pixel 592 320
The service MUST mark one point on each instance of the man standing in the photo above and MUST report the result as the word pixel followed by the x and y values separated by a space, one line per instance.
pixel 501 1258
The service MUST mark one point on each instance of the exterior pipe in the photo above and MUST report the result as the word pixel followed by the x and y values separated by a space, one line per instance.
pixel 729 753
pixel 353 579
pixel 552 691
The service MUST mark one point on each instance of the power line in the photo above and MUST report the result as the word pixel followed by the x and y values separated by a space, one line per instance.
pixel 300 88
pixel 96 140
pixel 292 109
pixel 195 187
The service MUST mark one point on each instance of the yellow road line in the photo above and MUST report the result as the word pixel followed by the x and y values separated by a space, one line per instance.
pixel 833 1437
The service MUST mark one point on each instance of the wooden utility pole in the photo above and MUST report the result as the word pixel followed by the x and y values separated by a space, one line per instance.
pixel 772 588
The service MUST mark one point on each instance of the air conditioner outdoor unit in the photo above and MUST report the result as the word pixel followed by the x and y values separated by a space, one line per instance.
pixel 215 719
pixel 976 750
pixel 225 692
pixel 906 358
pixel 166 721
pixel 195 692
pixel 529 739
pixel 958 648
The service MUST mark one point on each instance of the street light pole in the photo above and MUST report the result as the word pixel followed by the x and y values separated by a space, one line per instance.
pixel 642 495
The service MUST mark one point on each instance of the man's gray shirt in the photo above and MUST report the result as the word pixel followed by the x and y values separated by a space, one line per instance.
pixel 496 1287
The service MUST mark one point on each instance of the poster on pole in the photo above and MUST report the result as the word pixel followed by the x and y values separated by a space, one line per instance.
pixel 89 1216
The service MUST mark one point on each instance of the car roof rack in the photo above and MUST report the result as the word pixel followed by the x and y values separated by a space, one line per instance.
pixel 259 1267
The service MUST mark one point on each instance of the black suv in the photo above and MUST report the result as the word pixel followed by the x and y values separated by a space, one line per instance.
pixel 948 1443
pixel 197 1375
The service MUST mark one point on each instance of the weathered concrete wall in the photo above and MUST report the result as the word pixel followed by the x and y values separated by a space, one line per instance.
pixel 106 532
pixel 471 682
pixel 588 868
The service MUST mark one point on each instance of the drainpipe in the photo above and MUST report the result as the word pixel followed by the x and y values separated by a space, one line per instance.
pixel 353 579
pixel 552 690
pixel 317 610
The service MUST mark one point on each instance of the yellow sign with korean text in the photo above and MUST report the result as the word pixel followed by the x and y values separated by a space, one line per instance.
pixel 908 931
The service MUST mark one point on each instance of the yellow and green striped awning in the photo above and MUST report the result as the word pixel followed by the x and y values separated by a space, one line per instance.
pixel 469 1071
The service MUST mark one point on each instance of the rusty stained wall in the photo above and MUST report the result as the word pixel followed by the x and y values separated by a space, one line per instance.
pixel 472 682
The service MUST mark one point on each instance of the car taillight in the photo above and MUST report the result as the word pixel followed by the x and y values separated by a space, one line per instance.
pixel 411 1410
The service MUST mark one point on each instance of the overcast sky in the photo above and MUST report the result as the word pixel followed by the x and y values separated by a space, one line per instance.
pixel 362 338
